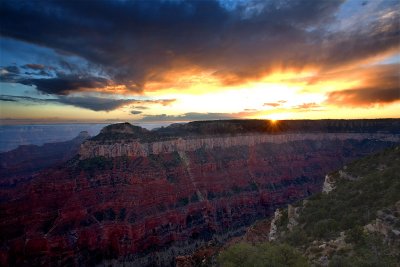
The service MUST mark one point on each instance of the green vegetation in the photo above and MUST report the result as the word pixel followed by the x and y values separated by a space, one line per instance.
pixel 277 255
pixel 368 250
pixel 333 225
pixel 355 203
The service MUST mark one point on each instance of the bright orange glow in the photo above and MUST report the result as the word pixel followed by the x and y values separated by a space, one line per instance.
pixel 278 95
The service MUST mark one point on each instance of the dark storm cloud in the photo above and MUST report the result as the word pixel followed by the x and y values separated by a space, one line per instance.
pixel 94 103
pixel 12 69
pixel 134 42
pixel 49 80
pixel 65 84
pixel 86 102
pixel 361 42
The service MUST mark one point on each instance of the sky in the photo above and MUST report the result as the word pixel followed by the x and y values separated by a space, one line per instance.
pixel 175 61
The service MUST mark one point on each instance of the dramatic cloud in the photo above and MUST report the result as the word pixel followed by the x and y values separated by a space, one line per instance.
pixel 132 43
pixel 66 84
pixel 381 86
pixel 95 103
pixel 364 96
pixel 56 83
pixel 87 102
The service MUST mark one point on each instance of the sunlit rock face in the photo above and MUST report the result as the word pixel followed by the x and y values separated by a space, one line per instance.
pixel 145 197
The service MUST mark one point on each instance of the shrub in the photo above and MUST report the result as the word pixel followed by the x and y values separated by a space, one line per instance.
pixel 355 235
pixel 277 255
pixel 297 237
pixel 325 228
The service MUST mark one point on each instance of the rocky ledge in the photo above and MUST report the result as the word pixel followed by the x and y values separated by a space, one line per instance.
pixel 125 139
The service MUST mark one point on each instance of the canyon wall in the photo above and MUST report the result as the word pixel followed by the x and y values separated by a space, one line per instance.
pixel 134 202
pixel 135 148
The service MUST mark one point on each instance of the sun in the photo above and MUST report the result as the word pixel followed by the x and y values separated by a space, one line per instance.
pixel 277 116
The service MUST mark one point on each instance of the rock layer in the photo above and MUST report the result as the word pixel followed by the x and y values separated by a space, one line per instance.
pixel 137 148
pixel 147 207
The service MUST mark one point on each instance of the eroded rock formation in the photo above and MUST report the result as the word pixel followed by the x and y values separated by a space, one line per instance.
pixel 140 200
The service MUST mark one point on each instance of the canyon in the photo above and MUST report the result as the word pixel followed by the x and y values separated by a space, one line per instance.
pixel 135 197
pixel 20 163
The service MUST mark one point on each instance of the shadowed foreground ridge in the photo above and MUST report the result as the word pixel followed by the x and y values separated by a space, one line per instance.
pixel 140 197
pixel 354 222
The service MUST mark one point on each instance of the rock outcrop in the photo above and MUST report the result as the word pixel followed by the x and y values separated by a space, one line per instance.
pixel 142 198
pixel 329 184
pixel 272 236
pixel 387 223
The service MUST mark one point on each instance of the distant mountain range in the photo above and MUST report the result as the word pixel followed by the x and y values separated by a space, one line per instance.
pixel 24 161
pixel 12 136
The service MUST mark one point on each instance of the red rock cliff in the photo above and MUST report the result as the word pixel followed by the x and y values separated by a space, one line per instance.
pixel 146 208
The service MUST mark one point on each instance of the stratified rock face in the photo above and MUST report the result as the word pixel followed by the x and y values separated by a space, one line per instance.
pixel 136 148
pixel 147 207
